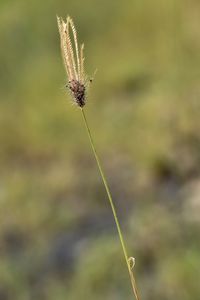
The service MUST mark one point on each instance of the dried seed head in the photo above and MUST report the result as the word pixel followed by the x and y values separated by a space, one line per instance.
pixel 78 91
pixel 74 64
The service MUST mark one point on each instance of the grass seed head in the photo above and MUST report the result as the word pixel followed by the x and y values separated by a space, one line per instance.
pixel 73 59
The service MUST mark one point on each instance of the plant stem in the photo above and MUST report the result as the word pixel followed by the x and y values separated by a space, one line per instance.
pixel 133 282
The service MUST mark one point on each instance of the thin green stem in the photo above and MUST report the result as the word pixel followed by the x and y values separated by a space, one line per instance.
pixel 133 282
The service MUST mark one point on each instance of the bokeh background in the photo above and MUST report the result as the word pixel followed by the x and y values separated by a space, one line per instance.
pixel 57 235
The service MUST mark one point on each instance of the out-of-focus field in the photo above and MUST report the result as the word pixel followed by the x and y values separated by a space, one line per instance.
pixel 57 236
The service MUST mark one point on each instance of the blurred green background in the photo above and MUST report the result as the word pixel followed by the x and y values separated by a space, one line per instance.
pixel 57 235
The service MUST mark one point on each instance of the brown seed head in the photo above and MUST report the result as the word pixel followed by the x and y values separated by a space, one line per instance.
pixel 74 64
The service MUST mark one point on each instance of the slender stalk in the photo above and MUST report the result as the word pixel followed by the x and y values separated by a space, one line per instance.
pixel 132 278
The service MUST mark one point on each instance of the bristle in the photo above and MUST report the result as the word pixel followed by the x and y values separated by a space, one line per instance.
pixel 71 23
pixel 70 52
pixel 64 51
pixel 82 64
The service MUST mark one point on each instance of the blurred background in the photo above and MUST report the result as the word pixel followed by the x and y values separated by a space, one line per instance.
pixel 57 235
